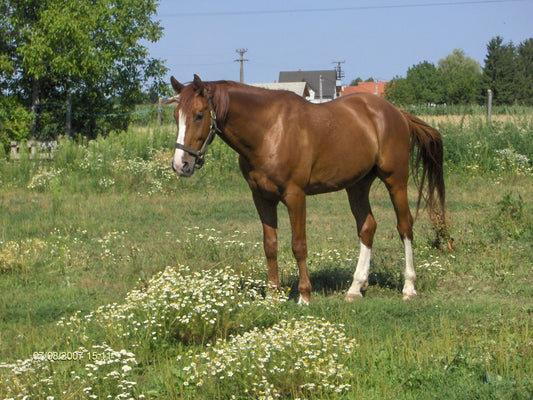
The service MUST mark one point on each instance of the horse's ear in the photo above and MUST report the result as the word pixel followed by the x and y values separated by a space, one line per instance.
pixel 198 85
pixel 178 87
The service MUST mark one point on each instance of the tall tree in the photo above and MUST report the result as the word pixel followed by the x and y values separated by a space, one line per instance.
pixel 499 73
pixel 422 85
pixel 6 68
pixel 88 49
pixel 399 91
pixel 524 65
pixel 460 76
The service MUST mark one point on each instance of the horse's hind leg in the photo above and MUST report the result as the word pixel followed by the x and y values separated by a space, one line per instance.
pixel 397 186
pixel 366 227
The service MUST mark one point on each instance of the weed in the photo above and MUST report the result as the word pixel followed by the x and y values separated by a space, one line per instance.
pixel 511 219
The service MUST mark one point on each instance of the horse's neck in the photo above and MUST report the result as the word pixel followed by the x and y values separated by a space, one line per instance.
pixel 245 123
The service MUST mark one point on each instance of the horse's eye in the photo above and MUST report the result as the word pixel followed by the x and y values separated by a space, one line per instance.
pixel 198 117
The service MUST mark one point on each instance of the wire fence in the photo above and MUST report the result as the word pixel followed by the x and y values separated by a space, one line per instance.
pixel 32 111
pixel 142 115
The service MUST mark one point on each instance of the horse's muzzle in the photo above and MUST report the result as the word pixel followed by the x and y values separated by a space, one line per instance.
pixel 185 170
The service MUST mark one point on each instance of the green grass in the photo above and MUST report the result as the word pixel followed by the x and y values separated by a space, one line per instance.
pixel 77 245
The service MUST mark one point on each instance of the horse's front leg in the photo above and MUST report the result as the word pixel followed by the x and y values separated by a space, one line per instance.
pixel 269 218
pixel 295 201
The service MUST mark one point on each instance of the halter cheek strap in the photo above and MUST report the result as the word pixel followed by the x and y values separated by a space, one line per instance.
pixel 213 130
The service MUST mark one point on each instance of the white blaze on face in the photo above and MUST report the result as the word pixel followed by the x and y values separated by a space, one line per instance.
pixel 178 154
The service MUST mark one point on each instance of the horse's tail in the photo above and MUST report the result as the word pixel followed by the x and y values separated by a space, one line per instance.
pixel 427 164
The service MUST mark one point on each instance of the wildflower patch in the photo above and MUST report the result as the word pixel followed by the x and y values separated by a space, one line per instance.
pixel 177 304
pixel 91 373
pixel 18 256
pixel 300 357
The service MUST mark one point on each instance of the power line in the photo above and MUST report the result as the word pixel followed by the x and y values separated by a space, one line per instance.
pixel 334 9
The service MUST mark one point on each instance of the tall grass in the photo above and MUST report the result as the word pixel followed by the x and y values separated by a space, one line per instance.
pixel 470 109
pixel 120 280
pixel 475 147
pixel 142 157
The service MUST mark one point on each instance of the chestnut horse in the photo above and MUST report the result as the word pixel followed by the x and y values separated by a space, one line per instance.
pixel 290 148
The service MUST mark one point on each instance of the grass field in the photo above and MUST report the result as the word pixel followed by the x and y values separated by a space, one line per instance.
pixel 119 280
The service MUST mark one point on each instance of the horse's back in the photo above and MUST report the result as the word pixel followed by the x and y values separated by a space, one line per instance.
pixel 387 124
pixel 353 136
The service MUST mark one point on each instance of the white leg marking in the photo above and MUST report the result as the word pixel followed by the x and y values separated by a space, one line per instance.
pixel 178 154
pixel 360 277
pixel 410 275
pixel 302 302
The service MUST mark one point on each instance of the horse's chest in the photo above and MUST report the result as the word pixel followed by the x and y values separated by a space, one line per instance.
pixel 263 184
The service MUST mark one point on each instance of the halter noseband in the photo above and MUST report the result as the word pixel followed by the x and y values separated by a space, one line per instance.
pixel 213 130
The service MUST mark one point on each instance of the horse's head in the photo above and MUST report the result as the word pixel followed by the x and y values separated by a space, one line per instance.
pixel 196 125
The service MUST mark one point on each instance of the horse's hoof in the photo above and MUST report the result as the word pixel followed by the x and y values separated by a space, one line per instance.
pixel 409 296
pixel 351 297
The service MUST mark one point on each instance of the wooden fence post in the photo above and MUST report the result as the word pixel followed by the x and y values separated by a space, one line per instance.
pixel 68 122
pixel 489 106
pixel 160 111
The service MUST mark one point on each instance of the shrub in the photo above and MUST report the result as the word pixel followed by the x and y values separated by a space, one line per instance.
pixel 301 357
pixel 15 122
pixel 180 305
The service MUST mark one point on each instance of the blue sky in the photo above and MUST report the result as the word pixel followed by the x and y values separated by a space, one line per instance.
pixel 379 39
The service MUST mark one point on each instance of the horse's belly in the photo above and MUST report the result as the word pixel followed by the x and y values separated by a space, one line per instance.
pixel 337 176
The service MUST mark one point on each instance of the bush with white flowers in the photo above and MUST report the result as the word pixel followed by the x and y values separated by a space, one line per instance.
pixel 300 357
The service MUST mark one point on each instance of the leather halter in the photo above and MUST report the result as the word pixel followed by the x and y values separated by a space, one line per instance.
pixel 199 155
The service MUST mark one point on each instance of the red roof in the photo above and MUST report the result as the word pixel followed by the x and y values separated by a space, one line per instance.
pixel 365 87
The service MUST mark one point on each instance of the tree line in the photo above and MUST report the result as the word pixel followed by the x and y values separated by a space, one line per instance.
pixel 88 57
pixel 84 53
pixel 458 79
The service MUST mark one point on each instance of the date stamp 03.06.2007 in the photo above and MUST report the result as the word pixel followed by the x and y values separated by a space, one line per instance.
pixel 71 355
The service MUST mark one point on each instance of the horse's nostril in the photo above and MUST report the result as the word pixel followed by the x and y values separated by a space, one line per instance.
pixel 187 167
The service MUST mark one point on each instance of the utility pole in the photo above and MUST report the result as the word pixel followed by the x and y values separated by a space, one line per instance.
pixel 241 60
pixel 320 89
pixel 340 75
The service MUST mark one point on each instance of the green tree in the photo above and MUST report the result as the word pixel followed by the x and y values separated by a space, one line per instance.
pixel 15 122
pixel 499 73
pixel 358 80
pixel 427 84
pixel 88 49
pixel 524 64
pixel 399 91
pixel 422 85
pixel 6 67
pixel 460 76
